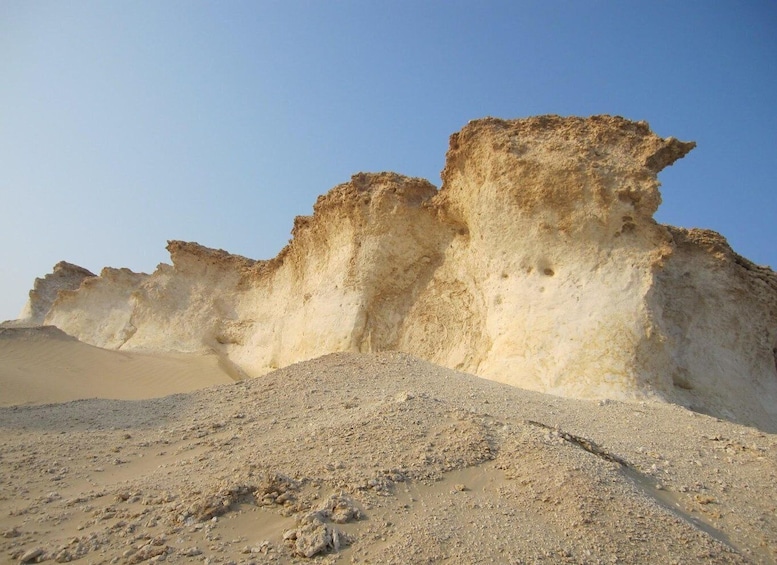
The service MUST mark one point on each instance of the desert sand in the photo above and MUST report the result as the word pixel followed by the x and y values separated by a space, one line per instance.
pixel 360 458
pixel 520 367
pixel 44 365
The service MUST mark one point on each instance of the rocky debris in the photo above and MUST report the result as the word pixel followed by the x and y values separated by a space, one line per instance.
pixel 280 490
pixel 384 482
pixel 12 533
pixel 73 551
pixel 583 443
pixel 315 533
pixel 219 503
pixel 466 477
pixel 274 491
pixel 153 548
pixel 314 536
pixel 35 555
pixel 340 509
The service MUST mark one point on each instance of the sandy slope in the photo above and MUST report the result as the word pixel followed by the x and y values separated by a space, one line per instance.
pixel 43 364
pixel 387 459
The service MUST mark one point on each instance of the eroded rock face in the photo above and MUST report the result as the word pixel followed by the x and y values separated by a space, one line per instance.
pixel 101 311
pixel 717 315
pixel 538 263
pixel 554 253
pixel 65 276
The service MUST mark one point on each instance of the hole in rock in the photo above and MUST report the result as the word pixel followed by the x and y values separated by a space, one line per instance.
pixel 680 380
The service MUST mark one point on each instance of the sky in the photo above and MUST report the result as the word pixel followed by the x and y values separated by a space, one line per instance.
pixel 124 124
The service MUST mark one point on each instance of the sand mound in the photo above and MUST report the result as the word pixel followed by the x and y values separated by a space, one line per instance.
pixel 43 364
pixel 381 458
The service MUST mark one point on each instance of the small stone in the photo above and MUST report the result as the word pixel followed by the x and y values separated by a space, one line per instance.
pixel 31 556
pixel 704 499
pixel 313 539
pixel 403 397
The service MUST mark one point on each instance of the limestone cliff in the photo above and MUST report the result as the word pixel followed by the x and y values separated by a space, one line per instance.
pixel 65 276
pixel 538 263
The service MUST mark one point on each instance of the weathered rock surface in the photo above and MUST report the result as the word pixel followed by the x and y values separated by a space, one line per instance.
pixel 315 534
pixel 65 276
pixel 538 264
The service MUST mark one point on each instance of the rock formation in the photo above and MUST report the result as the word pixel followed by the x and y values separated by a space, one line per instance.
pixel 538 264
pixel 65 276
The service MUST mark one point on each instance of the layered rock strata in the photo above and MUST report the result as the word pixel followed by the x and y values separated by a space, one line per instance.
pixel 538 264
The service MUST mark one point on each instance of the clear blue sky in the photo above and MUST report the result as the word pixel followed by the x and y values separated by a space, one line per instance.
pixel 127 123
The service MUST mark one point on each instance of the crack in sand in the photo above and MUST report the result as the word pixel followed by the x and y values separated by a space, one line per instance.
pixel 662 497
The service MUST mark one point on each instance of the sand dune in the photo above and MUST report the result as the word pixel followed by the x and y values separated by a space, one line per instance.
pixel 378 458
pixel 42 365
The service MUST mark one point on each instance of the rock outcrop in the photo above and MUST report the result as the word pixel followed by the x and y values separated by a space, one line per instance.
pixel 65 276
pixel 538 264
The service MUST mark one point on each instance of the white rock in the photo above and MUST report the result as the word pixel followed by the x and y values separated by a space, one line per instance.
pixel 538 263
